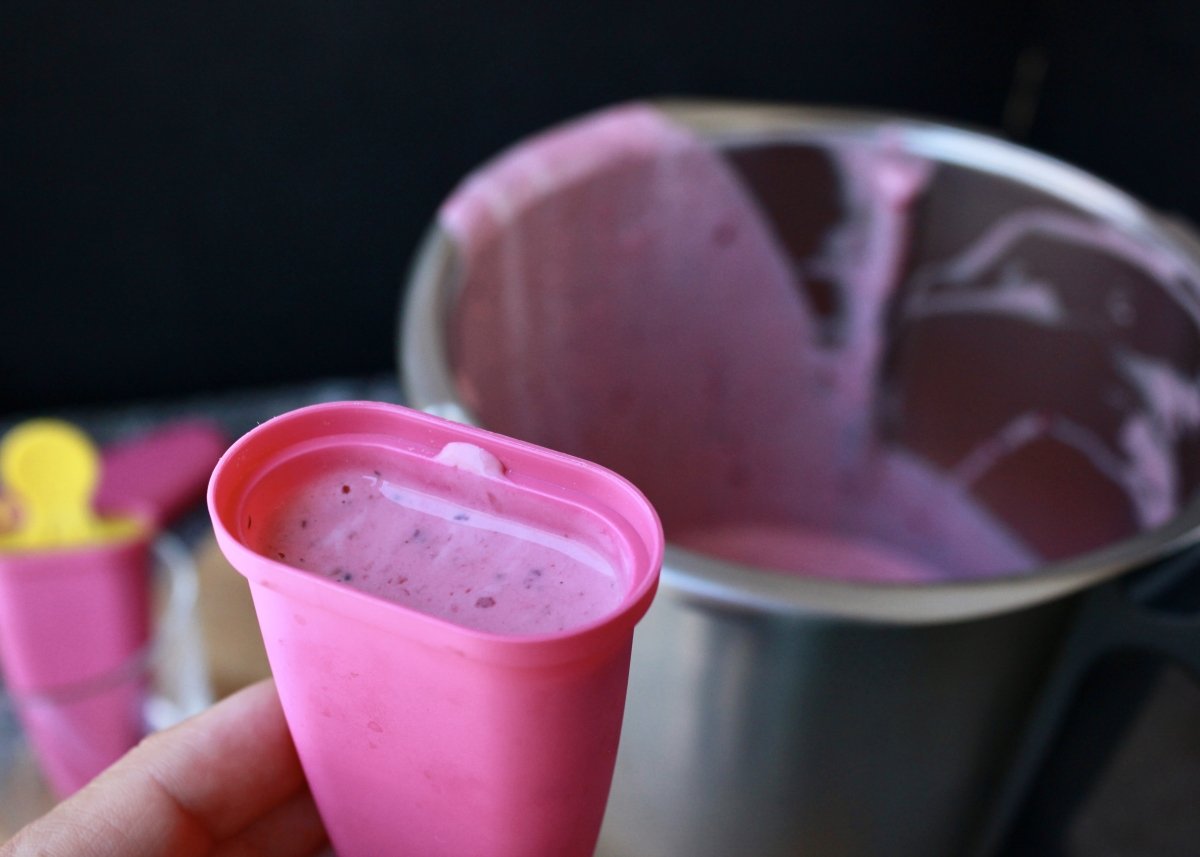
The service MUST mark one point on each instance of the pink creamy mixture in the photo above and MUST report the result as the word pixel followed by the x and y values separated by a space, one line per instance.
pixel 461 549
pixel 667 335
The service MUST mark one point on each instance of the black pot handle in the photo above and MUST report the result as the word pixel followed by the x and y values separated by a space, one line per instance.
pixel 1156 612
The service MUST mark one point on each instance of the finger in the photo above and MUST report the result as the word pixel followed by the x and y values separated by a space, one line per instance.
pixel 80 828
pixel 228 766
pixel 179 791
pixel 291 830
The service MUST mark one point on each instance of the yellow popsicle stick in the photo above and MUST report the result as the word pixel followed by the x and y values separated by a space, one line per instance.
pixel 52 469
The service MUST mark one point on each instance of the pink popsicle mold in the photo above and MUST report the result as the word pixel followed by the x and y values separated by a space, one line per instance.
pixel 419 735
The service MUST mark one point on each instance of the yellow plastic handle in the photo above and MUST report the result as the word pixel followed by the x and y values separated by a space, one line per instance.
pixel 52 468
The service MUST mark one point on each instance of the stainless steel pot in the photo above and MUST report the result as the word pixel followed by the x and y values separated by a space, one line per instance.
pixel 775 713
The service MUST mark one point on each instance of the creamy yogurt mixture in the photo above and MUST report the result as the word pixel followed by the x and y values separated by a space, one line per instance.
pixel 445 541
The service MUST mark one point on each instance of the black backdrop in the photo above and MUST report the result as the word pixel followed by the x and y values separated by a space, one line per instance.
pixel 198 196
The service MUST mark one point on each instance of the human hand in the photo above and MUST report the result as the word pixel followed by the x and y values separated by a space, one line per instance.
pixel 225 783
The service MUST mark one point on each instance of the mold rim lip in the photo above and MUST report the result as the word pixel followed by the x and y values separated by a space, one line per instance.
pixel 642 541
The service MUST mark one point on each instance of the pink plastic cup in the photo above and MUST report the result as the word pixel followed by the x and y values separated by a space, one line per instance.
pixel 74 626
pixel 75 623
pixel 419 735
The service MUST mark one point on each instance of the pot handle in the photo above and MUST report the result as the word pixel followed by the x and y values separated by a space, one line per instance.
pixel 1154 611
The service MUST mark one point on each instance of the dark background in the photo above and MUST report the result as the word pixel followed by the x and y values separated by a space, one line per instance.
pixel 203 196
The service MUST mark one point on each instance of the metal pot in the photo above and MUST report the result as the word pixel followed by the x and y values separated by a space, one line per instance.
pixel 779 713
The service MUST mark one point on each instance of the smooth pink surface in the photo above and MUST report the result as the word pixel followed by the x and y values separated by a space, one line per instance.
pixel 417 735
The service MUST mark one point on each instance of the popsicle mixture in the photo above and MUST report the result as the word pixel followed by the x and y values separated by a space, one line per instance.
pixel 453 540
pixel 731 346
